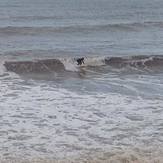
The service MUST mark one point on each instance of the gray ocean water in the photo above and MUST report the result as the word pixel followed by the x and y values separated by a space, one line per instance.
pixel 111 106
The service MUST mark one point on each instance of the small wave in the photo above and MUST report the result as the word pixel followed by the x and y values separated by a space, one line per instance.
pixel 70 64
pixel 134 26
pixel 29 18
pixel 35 17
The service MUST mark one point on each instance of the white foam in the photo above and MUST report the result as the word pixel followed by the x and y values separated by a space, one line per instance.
pixel 2 67
pixel 42 120
pixel 94 61
pixel 69 64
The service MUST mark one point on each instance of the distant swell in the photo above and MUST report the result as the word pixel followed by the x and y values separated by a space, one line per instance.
pixel 60 65
pixel 133 26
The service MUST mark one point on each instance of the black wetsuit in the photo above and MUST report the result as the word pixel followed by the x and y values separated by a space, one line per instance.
pixel 80 61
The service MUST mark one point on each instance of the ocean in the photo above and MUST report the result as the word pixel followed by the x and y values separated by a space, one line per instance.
pixel 109 109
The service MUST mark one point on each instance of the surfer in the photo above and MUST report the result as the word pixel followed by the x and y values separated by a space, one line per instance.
pixel 80 61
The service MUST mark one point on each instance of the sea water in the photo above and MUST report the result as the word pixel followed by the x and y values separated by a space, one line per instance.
pixel 111 106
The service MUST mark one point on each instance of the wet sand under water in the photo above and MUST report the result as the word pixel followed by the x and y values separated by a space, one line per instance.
pixel 116 156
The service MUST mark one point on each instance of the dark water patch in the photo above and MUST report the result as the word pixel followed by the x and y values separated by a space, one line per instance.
pixel 41 66
pixel 19 137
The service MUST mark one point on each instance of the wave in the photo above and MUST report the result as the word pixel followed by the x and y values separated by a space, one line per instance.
pixel 128 27
pixel 30 18
pixel 153 63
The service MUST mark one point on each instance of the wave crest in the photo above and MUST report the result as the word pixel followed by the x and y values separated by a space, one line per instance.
pixel 70 64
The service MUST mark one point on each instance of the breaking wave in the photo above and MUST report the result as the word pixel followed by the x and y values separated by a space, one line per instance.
pixel 34 30
pixel 152 63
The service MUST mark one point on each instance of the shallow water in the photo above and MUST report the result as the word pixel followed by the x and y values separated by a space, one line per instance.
pixel 110 105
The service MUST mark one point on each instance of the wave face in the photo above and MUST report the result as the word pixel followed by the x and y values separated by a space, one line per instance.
pixel 65 64
pixel 136 61
pixel 41 66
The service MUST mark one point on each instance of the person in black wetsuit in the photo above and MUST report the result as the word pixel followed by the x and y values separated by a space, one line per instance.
pixel 80 61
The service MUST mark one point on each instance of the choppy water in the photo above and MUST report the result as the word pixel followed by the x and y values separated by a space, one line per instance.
pixel 52 108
